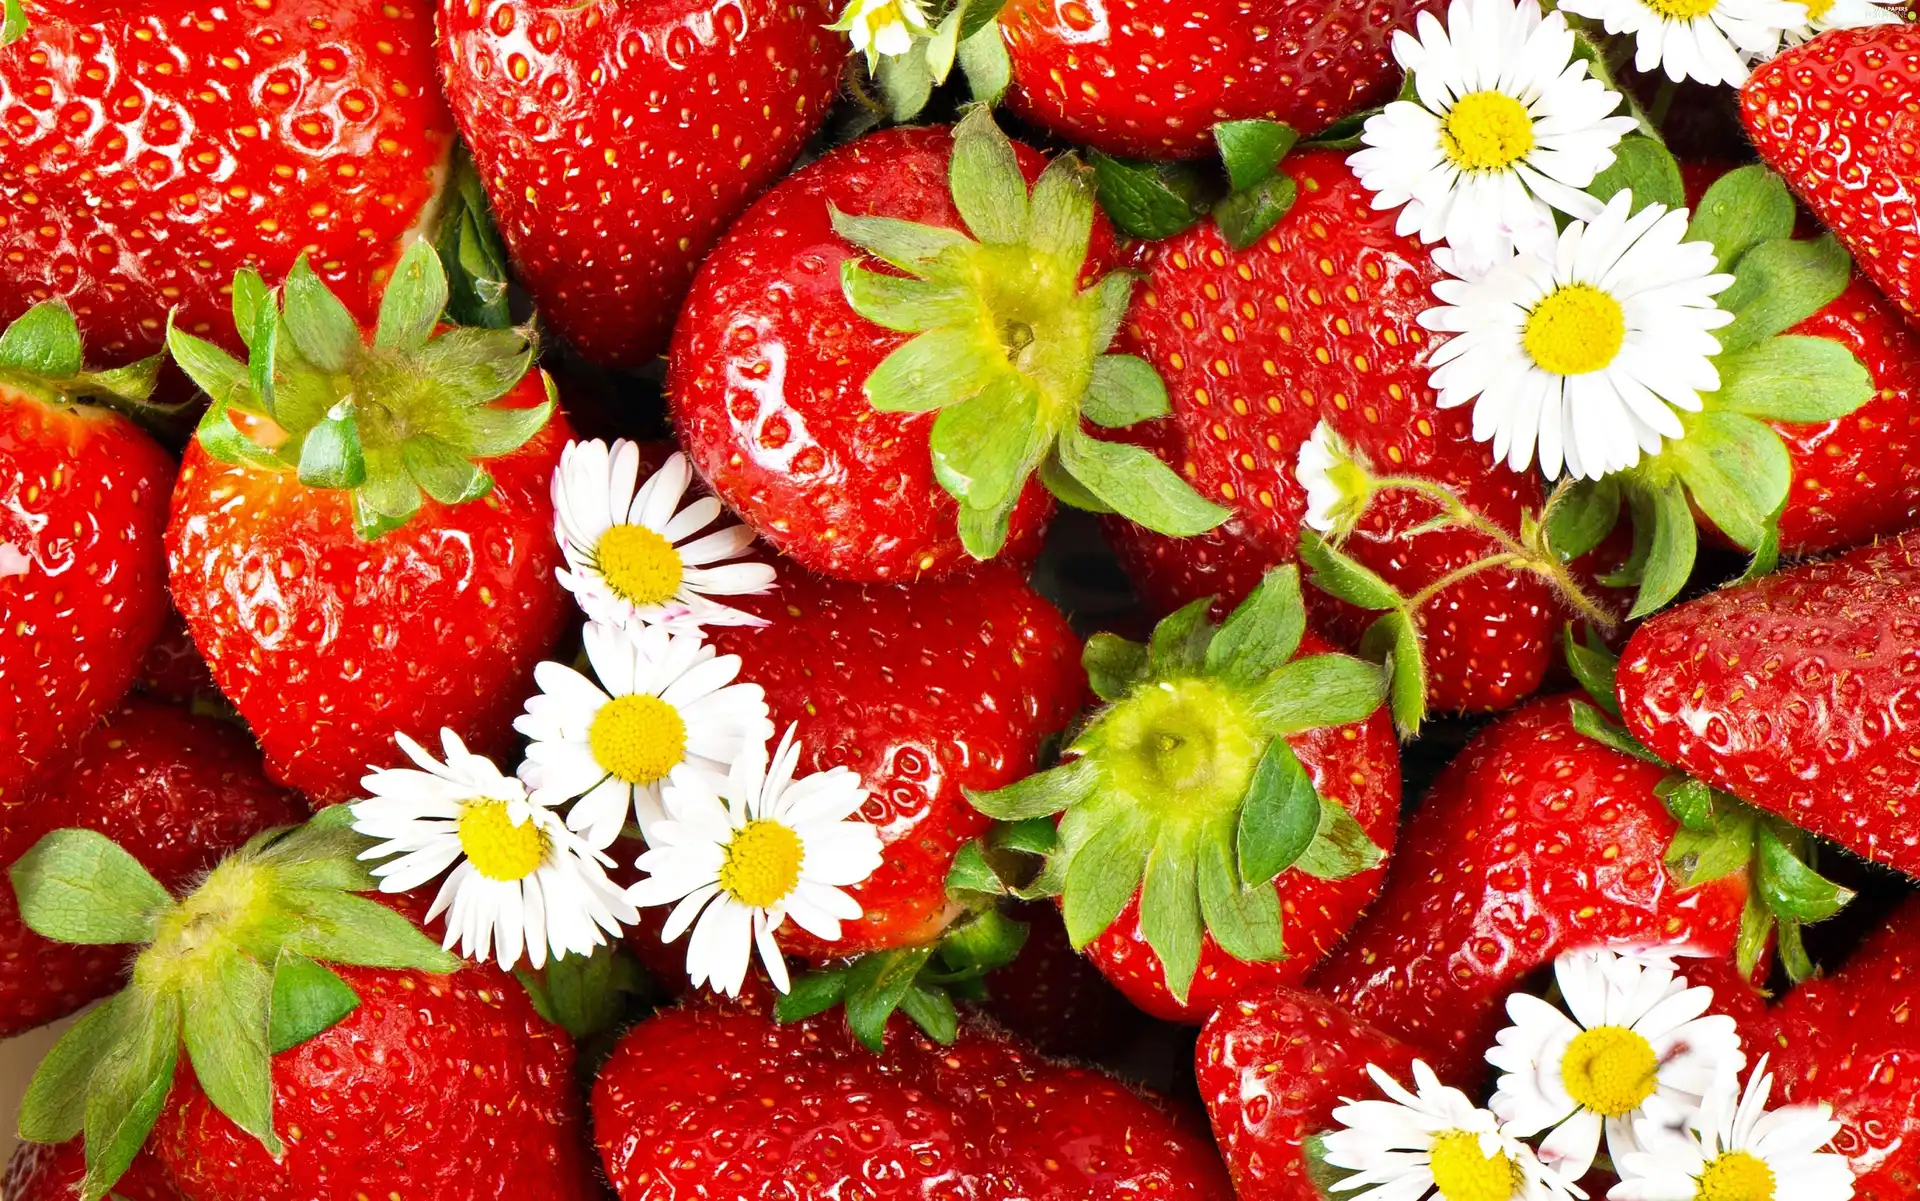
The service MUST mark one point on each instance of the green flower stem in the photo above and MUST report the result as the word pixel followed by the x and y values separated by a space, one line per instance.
pixel 1460 573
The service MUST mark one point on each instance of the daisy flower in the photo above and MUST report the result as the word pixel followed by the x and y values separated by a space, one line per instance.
pixel 522 882
pixel 1636 1034
pixel 1823 15
pixel 1711 41
pixel 629 558
pixel 745 856
pixel 883 28
pixel 1433 1143
pixel 1735 1149
pixel 1584 352
pixel 1337 483
pixel 664 700
pixel 1507 127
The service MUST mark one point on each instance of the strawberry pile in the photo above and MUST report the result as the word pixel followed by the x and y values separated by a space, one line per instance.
pixel 961 600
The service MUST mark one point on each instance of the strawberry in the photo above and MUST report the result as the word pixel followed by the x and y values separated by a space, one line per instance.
pixel 173 669
pixel 152 153
pixel 82 568
pixel 345 574
pixel 41 1173
pixel 1793 692
pixel 614 154
pixel 1053 998
pixel 1120 76
pixel 181 790
pixel 800 397
pixel 1272 1066
pixel 927 692
pixel 1833 116
pixel 1226 815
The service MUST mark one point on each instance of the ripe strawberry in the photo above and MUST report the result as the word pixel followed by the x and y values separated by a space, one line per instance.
pixel 1121 76
pixel 1794 693
pixel 617 143
pixel 38 1172
pixel 1272 1067
pixel 813 420
pixel 345 575
pixel 926 691
pixel 1227 814
pixel 82 572
pixel 1833 117
pixel 1316 322
pixel 178 789
pixel 152 153
pixel 173 669
pixel 1053 998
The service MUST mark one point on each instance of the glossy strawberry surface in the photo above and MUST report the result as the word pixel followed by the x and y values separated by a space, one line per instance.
pixel 1134 77
pixel 925 691
pixel 39 1172
pixel 769 361
pixel 176 790
pixel 1536 840
pixel 1795 693
pixel 328 644
pixel 617 141
pixel 153 150
pixel 83 496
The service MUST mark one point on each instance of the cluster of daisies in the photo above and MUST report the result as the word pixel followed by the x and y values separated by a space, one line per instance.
pixel 659 741
pixel 1634 1060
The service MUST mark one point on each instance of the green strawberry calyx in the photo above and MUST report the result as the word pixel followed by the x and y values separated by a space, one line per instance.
pixel 233 973
pixel 1011 351
pixel 1719 834
pixel 1184 787
pixel 1247 198
pixel 42 356
pixel 407 414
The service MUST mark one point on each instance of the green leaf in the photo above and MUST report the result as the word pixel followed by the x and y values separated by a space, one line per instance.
pixel 1252 150
pixel 944 44
pixel 1696 857
pixel 1318 691
pixel 1595 668
pixel 1790 888
pixel 410 308
pixel 1789 378
pixel 1793 951
pixel 471 252
pixel 342 928
pixel 940 367
pixel 225 1012
pixel 1114 665
pixel 320 326
pixel 331 457
pixel 983 532
pixel 906 81
pixel 1246 216
pixel 1178 645
pixel 1280 816
pixel 128 1090
pixel 589 995
pixel 218 373
pixel 1395 641
pixel 875 988
pixel 1244 921
pixel 988 187
pixel 985 447
pixel 989 69
pixel 1148 200
pixel 264 345
pixel 1742 208
pixel 1340 847
pixel 443 471
pixel 1586 513
pixel 986 941
pixel 43 342
pixel 973 873
pixel 1756 926
pixel 1067 490
pixel 1644 166
pixel 1737 470
pixel 1039 795
pixel 250 295
pixel 1766 556
pixel 493 431
pixel 1104 876
pixel 13 22
pixel 388 499
pixel 978 15
pixel 1690 801
pixel 1033 836
pixel 1321 1175
pixel 309 999
pixel 1137 485
pixel 1062 211
pixel 1170 909
pixel 1779 284
pixel 53 1107
pixel 905 244
pixel 78 886
pixel 1338 575
pixel 1263 632
pixel 1587 720
pixel 1125 389
pixel 813 993
pixel 1661 510
pixel 1110 300
pixel 932 1010
pixel 906 304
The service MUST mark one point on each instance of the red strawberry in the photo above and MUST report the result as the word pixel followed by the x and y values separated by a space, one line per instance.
pixel 1794 692
pixel 346 576
pixel 1227 814
pixel 1272 1067
pixel 150 153
pixel 927 692
pixel 82 572
pixel 173 669
pixel 1316 322
pixel 179 790
pixel 38 1172
pixel 815 422
pixel 1835 117
pixel 617 142
pixel 1124 76
pixel 1053 998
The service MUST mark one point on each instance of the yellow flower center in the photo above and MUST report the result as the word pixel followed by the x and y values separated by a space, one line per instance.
pixel 1736 1176
pixel 1487 131
pixel 498 849
pixel 1817 8
pixel 1462 1173
pixel 763 864
pixel 1609 1070
pixel 1575 330
pixel 639 565
pixel 638 738
pixel 1685 10
pixel 1356 490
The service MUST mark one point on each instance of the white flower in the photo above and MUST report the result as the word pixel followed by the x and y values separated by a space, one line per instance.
pixel 1730 1151
pixel 1433 1143
pixel 629 561
pixel 523 881
pixel 1637 1034
pixel 1338 486
pixel 1711 41
pixel 883 28
pixel 1508 127
pixel 1584 352
pixel 762 848
pixel 1823 15
pixel 663 700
